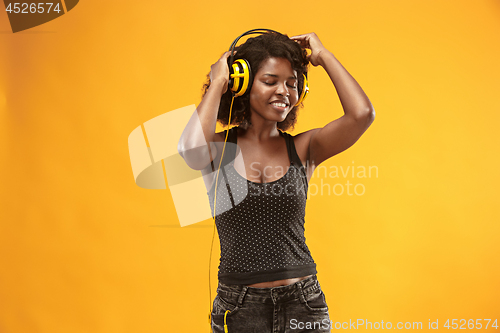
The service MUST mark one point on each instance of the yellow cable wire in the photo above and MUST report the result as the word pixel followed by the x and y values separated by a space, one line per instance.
pixel 225 325
pixel 213 235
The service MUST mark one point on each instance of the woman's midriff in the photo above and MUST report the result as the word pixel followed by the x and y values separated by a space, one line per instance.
pixel 277 283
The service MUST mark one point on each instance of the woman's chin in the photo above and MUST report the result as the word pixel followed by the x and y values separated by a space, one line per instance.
pixel 278 117
pixel 282 117
pixel 275 116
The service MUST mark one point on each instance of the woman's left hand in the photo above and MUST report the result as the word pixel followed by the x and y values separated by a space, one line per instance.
pixel 312 42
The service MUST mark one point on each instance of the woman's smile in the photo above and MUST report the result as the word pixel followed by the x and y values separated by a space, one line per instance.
pixel 279 106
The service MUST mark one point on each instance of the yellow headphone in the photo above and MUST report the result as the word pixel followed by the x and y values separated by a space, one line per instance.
pixel 240 73
pixel 240 79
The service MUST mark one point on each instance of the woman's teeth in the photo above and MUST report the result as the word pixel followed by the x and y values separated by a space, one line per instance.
pixel 281 105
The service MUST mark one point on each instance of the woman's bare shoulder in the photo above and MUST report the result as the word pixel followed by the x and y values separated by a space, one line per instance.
pixel 301 142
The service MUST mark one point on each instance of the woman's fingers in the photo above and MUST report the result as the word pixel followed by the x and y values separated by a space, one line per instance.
pixel 299 36
pixel 303 40
pixel 310 41
pixel 227 54
pixel 219 71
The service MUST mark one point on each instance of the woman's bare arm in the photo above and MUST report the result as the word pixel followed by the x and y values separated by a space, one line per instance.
pixel 200 130
pixel 339 134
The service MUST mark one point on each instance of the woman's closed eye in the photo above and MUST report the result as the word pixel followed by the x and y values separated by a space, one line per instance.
pixel 293 86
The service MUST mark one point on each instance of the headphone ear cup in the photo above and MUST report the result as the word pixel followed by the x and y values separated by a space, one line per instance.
pixel 303 89
pixel 240 77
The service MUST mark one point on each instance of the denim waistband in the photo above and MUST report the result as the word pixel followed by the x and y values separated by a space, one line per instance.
pixel 240 293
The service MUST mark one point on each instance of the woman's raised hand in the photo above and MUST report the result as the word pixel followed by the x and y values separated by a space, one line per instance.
pixel 312 42
pixel 219 72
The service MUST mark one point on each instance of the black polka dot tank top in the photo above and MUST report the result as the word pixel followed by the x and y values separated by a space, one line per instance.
pixel 261 225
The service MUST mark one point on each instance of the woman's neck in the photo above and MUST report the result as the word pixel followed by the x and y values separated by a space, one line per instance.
pixel 260 130
pixel 259 134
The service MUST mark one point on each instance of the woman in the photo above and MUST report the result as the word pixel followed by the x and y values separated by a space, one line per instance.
pixel 267 277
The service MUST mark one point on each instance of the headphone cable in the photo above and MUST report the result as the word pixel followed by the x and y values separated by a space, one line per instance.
pixel 214 213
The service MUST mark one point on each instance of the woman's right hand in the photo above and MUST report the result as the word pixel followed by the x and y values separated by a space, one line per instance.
pixel 219 72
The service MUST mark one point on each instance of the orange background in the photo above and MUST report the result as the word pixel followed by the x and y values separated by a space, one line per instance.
pixel 84 249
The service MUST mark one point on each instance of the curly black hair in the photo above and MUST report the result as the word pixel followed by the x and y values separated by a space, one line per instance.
pixel 256 50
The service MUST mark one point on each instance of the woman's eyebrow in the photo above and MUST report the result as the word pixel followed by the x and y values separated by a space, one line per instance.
pixel 274 75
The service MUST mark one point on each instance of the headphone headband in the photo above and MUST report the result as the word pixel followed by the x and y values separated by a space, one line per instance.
pixel 249 32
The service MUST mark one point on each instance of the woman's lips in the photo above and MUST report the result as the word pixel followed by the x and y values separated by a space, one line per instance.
pixel 279 106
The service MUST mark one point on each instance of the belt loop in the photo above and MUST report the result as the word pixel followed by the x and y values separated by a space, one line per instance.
pixel 301 293
pixel 242 295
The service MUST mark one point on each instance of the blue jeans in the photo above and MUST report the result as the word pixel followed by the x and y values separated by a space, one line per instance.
pixel 297 308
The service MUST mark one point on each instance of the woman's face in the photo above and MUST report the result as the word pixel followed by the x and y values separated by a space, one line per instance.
pixel 274 90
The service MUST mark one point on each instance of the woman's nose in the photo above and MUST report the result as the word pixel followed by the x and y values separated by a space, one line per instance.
pixel 282 89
